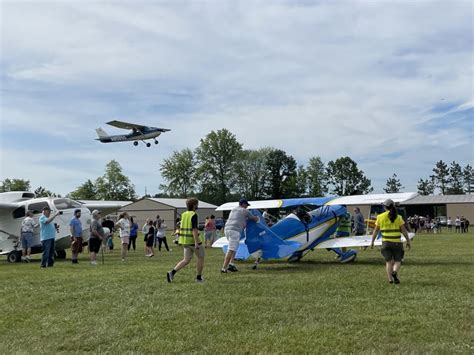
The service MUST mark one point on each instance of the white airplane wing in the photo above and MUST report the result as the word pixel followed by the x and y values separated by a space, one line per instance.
pixel 126 125
pixel 357 241
pixel 372 199
pixel 105 207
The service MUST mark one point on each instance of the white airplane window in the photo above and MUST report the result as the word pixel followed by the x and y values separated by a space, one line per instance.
pixel 65 203
pixel 37 207
pixel 19 212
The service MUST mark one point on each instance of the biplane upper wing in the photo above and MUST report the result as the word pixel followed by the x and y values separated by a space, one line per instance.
pixel 126 125
pixel 284 203
pixel 372 199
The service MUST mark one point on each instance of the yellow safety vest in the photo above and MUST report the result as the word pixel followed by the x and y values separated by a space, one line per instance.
pixel 186 229
pixel 390 230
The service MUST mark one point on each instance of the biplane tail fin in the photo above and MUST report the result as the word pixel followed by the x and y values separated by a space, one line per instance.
pixel 260 237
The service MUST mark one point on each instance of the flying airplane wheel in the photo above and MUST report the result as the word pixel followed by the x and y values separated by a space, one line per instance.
pixel 61 254
pixel 156 142
pixel 14 257
pixel 135 143
pixel 148 145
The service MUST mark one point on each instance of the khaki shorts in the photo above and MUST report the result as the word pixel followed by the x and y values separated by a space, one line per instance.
pixel 233 238
pixel 125 240
pixel 76 245
pixel 189 250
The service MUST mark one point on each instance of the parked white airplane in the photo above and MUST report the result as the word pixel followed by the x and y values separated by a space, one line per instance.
pixel 13 207
pixel 139 133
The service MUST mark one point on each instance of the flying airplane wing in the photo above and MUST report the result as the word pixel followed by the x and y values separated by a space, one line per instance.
pixel 357 241
pixel 126 125
pixel 284 203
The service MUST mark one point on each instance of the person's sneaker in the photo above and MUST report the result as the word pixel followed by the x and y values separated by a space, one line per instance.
pixel 94 262
pixel 390 282
pixel 200 281
pixel 223 271
pixel 395 278
pixel 42 267
pixel 232 268
pixel 169 276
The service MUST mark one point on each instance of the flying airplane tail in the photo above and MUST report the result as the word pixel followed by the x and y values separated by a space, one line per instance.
pixel 101 133
pixel 260 237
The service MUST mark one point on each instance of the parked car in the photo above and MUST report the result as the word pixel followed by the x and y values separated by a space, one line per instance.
pixel 220 223
pixel 442 220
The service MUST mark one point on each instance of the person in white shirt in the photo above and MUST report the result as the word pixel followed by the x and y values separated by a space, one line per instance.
pixel 457 225
pixel 27 228
pixel 124 225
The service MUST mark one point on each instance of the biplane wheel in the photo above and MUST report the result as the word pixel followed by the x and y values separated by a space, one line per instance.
pixel 14 257
pixel 135 143
pixel 61 254
pixel 156 142
pixel 148 145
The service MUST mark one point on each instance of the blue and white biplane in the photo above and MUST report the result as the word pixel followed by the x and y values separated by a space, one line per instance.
pixel 302 231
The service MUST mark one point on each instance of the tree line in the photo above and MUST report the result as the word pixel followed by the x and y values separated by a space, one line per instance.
pixel 221 170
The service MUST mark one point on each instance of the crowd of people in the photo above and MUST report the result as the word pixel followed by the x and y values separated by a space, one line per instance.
pixel 186 233
pixel 420 224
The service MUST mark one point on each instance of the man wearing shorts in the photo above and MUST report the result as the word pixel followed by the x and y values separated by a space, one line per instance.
pixel 27 228
pixel 190 240
pixel 76 235
pixel 97 234
pixel 233 229
pixel 391 225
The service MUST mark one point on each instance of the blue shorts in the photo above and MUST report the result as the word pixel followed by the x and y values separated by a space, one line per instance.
pixel 26 240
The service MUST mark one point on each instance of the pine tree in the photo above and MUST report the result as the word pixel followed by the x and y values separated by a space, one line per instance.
pixel 393 184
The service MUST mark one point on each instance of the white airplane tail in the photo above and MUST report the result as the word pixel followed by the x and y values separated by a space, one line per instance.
pixel 101 133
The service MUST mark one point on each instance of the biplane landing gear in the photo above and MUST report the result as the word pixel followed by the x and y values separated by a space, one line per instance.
pixel 135 143
pixel 156 142
pixel 148 145
pixel 14 257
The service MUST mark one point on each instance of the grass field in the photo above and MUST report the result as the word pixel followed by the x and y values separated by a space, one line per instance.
pixel 315 306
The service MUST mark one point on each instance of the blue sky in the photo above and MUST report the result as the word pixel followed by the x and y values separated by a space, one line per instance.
pixel 389 84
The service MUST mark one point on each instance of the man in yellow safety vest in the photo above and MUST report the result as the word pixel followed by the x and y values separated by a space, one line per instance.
pixel 190 240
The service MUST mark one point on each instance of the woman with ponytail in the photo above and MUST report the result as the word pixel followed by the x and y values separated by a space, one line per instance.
pixel 392 226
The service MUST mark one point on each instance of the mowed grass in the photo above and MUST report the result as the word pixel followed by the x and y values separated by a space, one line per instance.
pixel 314 306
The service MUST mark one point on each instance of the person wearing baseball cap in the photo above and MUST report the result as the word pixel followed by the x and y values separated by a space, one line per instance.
pixel 76 235
pixel 47 236
pixel 233 229
pixel 392 226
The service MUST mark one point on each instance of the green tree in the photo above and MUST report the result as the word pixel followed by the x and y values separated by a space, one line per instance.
pixel 425 187
pixel 468 179
pixel 42 192
pixel 251 173
pixel 281 174
pixel 179 171
pixel 455 180
pixel 217 157
pixel 440 177
pixel 346 179
pixel 87 191
pixel 15 185
pixel 317 178
pixel 393 184
pixel 114 185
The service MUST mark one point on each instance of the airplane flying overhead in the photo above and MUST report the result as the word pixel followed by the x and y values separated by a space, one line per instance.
pixel 138 133
pixel 13 207
pixel 295 235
